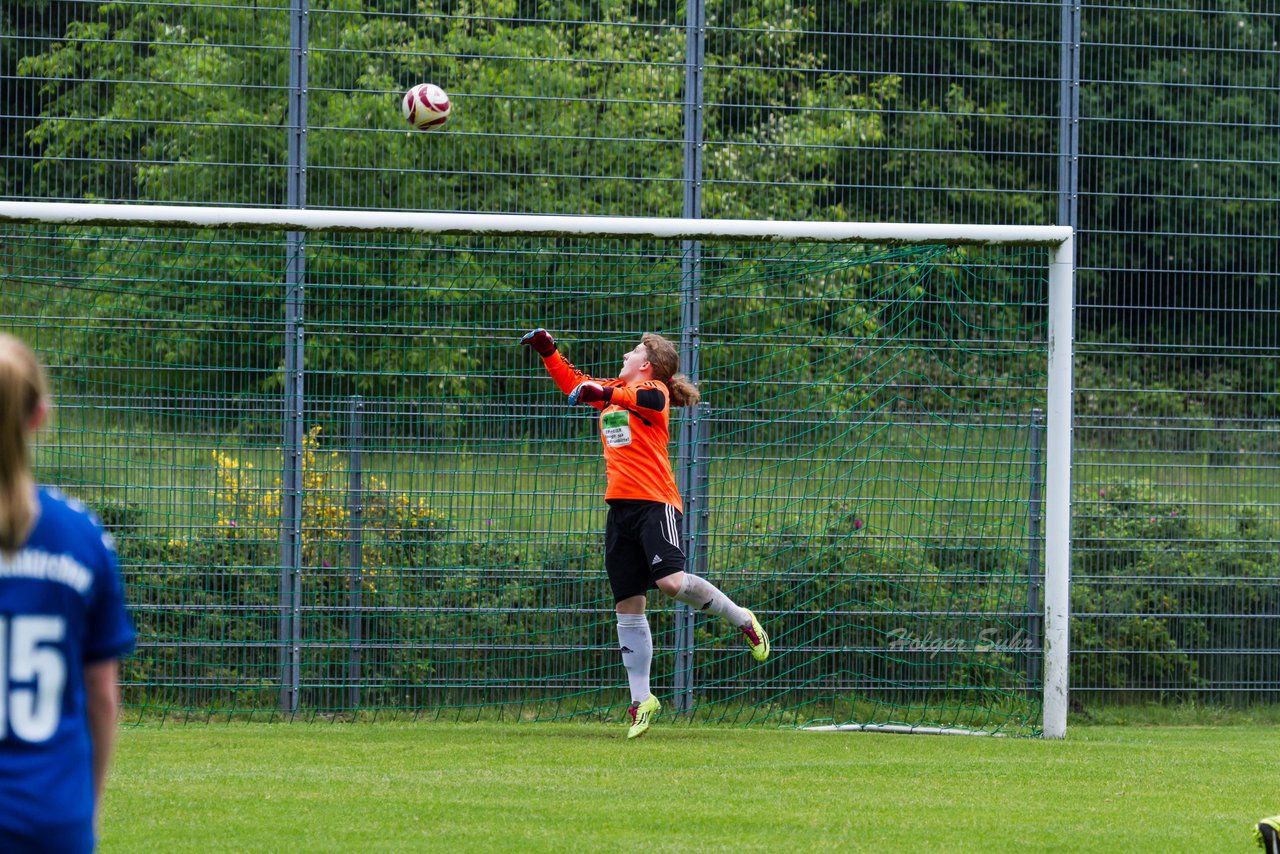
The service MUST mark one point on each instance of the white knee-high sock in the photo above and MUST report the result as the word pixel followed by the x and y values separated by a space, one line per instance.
pixel 702 595
pixel 636 645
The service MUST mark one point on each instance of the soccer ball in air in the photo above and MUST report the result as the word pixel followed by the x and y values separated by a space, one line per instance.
pixel 426 106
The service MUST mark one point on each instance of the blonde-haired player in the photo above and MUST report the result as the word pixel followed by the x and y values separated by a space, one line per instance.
pixel 63 627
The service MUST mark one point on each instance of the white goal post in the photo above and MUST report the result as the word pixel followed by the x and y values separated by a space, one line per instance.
pixel 1058 240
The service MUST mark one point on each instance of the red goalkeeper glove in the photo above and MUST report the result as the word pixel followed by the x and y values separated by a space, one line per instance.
pixel 589 393
pixel 541 342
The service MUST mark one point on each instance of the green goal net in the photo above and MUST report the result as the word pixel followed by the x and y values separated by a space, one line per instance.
pixel 338 486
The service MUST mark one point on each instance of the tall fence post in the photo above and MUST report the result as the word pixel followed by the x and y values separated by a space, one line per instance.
pixel 1035 572
pixel 691 462
pixel 291 489
pixel 1069 115
pixel 1057 590
pixel 355 548
pixel 295 282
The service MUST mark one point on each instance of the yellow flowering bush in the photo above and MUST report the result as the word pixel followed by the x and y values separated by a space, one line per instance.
pixel 395 528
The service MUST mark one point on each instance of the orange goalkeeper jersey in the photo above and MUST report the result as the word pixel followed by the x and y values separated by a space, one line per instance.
pixel 634 430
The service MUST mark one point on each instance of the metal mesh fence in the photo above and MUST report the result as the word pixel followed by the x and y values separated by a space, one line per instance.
pixel 1178 346
pixel 1150 127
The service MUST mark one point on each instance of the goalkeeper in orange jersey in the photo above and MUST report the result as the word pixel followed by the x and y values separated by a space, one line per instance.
pixel 642 533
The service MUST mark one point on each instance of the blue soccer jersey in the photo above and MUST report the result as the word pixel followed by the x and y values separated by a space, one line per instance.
pixel 61 608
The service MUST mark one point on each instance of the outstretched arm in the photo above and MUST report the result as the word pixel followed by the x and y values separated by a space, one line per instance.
pixel 571 381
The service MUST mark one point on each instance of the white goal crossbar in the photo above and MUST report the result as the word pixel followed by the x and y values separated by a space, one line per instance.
pixel 1059 240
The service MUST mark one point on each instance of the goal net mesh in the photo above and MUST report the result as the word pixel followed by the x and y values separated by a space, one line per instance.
pixel 864 470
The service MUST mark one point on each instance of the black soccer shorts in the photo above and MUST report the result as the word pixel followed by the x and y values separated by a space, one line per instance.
pixel 641 545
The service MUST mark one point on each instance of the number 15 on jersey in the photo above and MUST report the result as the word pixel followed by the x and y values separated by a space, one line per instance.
pixel 33 673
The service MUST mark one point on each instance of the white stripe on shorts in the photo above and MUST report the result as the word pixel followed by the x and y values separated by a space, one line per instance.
pixel 669 529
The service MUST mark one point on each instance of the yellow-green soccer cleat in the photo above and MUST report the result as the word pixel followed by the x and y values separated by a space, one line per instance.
pixel 757 638
pixel 1267 834
pixel 641 714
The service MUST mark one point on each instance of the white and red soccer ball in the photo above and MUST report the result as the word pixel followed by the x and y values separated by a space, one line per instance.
pixel 426 106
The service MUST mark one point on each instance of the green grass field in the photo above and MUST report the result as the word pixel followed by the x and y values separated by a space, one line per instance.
pixel 175 479
pixel 395 786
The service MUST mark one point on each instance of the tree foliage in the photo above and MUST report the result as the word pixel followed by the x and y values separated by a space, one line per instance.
pixel 903 111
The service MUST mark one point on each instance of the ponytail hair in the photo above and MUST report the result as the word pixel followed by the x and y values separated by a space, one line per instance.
pixel 22 390
pixel 665 361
